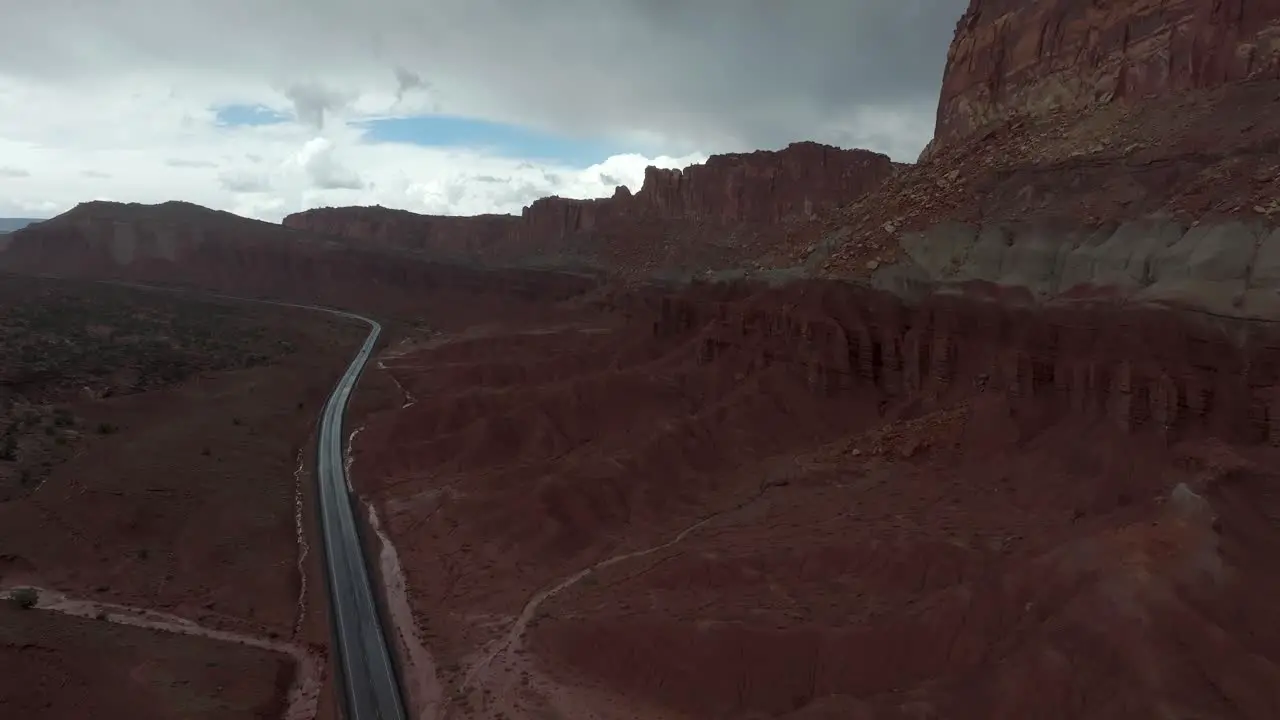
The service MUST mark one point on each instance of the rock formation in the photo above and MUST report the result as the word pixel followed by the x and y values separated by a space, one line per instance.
pixel 697 205
pixel 1028 58
pixel 1138 367
pixel 179 244
pixel 1127 148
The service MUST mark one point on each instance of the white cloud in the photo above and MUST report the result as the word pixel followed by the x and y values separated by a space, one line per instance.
pixel 115 99
pixel 145 141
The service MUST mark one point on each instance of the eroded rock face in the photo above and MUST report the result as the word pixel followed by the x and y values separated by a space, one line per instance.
pixel 1136 368
pixel 765 187
pixel 1026 58
pixel 759 189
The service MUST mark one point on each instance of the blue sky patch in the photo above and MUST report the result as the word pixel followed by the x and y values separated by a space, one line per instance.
pixel 506 140
pixel 248 115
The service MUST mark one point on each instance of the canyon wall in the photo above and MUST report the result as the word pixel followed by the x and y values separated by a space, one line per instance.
pixel 749 193
pixel 1169 197
pixel 1012 57
pixel 1138 369
pixel 1121 147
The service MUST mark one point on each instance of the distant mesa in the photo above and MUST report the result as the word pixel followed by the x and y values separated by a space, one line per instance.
pixel 8 225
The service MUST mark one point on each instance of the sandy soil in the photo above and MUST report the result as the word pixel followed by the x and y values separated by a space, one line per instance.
pixel 594 522
pixel 58 667
pixel 304 663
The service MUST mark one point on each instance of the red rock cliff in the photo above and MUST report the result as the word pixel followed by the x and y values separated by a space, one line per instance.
pixel 1013 57
pixel 764 187
pixel 760 188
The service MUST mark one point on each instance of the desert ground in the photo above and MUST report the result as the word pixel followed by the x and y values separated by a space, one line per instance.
pixel 154 463
pixel 590 518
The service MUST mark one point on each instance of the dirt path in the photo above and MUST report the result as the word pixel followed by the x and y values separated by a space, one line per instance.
pixel 511 640
pixel 409 399
pixel 304 694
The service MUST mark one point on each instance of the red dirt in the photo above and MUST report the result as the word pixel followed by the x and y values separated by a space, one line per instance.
pixel 820 501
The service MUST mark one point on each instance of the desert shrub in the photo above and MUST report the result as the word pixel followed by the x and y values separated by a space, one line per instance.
pixel 25 597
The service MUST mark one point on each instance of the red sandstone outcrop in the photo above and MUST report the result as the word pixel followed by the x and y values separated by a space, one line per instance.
pixel 756 190
pixel 1012 57
pixel 1136 367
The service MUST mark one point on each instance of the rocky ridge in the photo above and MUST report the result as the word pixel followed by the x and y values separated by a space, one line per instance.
pixel 180 244
pixel 712 214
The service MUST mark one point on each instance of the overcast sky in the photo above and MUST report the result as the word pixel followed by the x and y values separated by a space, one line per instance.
pixel 265 107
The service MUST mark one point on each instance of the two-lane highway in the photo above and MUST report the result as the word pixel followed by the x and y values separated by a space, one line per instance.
pixel 370 688
pixel 367 674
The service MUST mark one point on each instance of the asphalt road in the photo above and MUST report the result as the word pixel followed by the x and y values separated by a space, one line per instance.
pixel 367 675
pixel 370 688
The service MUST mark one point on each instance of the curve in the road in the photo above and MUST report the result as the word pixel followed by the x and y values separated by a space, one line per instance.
pixel 367 674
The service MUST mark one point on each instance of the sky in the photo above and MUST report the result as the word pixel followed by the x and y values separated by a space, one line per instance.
pixel 454 107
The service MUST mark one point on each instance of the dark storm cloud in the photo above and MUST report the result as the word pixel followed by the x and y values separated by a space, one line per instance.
pixel 407 80
pixel 313 102
pixel 691 74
